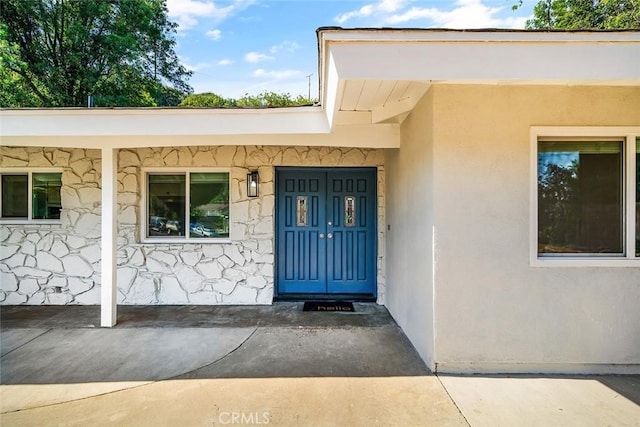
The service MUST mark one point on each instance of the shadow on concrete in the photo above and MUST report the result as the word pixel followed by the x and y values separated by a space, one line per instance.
pixel 193 316
pixel 625 385
pixel 54 345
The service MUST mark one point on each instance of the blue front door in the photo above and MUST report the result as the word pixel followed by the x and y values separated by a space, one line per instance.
pixel 326 231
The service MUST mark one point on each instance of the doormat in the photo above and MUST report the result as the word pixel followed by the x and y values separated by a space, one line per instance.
pixel 328 306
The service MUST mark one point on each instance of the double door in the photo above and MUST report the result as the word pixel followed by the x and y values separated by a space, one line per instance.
pixel 326 231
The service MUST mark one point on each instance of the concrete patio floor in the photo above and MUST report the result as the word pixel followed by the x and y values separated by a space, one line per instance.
pixel 276 365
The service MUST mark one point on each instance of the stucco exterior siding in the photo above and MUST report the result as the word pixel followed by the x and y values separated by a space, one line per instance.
pixel 60 263
pixel 410 192
pixel 494 311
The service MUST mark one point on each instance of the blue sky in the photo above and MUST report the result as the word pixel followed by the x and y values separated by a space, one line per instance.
pixel 235 47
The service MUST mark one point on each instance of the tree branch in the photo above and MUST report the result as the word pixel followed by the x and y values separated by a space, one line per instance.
pixel 45 99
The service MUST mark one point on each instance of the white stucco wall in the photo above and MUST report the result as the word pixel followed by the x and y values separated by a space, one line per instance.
pixel 409 250
pixel 494 312
pixel 60 263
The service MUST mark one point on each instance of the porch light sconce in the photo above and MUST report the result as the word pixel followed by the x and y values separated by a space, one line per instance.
pixel 252 184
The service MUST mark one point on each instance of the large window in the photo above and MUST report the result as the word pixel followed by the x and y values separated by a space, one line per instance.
pixel 31 195
pixel 580 209
pixel 586 197
pixel 187 205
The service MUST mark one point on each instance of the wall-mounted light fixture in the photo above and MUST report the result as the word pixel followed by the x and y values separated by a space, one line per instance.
pixel 253 180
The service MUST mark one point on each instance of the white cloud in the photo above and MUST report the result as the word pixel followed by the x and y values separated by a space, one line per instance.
pixel 214 34
pixel 278 75
pixel 465 14
pixel 286 46
pixel 254 57
pixel 372 9
pixel 187 12
pixel 199 66
pixel 364 11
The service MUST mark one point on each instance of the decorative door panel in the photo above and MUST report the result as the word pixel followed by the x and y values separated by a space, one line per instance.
pixel 301 217
pixel 351 252
pixel 326 231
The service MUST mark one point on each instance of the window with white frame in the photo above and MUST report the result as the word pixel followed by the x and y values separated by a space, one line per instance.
pixel 30 195
pixel 586 197
pixel 187 204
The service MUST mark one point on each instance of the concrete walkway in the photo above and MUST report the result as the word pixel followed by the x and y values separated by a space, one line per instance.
pixel 275 365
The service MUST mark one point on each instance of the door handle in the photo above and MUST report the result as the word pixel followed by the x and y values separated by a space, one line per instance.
pixel 322 235
pixel 330 236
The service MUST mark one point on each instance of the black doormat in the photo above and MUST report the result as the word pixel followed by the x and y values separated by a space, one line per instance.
pixel 328 306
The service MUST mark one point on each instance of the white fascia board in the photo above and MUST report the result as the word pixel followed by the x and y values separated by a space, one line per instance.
pixel 569 62
pixel 333 88
pixel 357 136
pixel 158 122
pixel 492 35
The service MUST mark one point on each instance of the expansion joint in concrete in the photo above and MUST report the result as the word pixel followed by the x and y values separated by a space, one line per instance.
pixel 31 340
pixel 452 400
pixel 239 346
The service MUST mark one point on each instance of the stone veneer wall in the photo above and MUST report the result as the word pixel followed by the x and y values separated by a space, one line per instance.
pixel 60 263
pixel 55 263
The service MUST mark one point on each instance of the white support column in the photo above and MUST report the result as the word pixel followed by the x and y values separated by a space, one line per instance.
pixel 108 307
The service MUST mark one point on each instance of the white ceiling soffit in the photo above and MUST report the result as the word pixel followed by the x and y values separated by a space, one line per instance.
pixel 379 101
pixel 377 76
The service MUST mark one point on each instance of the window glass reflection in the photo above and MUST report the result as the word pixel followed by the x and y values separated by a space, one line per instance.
pixel 209 205
pixel 580 201
pixel 46 198
pixel 166 210
pixel 15 196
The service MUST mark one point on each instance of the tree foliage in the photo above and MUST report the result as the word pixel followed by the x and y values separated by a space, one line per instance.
pixel 585 14
pixel 14 92
pixel 55 53
pixel 265 99
pixel 207 99
pixel 272 99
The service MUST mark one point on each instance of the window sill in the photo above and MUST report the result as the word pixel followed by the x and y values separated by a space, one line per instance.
pixel 586 262
pixel 183 241
pixel 30 222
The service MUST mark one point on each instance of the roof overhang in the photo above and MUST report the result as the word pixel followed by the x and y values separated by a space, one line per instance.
pixel 370 80
pixel 378 75
pixel 162 121
pixel 159 127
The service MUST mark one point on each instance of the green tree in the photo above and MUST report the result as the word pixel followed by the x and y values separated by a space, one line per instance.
pixel 585 14
pixel 207 99
pixel 263 100
pixel 273 99
pixel 14 92
pixel 54 53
